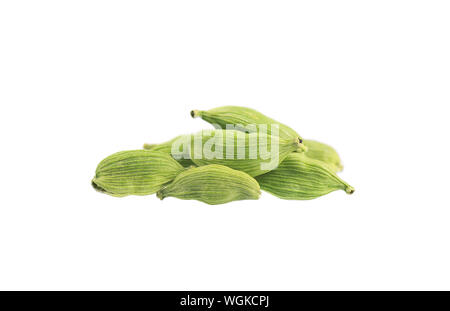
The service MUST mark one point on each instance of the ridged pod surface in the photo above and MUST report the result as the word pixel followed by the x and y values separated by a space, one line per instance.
pixel 242 116
pixel 323 152
pixel 166 147
pixel 253 162
pixel 212 184
pixel 299 177
pixel 135 172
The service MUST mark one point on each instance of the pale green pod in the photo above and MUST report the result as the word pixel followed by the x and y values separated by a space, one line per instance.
pixel 135 172
pixel 242 151
pixel 212 184
pixel 323 152
pixel 166 147
pixel 241 118
pixel 299 177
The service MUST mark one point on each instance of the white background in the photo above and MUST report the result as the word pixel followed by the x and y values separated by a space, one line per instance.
pixel 80 80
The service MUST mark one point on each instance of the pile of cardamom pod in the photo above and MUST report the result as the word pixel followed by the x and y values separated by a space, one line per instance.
pixel 303 170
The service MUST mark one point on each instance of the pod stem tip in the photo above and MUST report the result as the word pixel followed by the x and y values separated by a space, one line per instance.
pixel 350 190
pixel 195 113
pixel 160 195
pixel 300 146
pixel 97 187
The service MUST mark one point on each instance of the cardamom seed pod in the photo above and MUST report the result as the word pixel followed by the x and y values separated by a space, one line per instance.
pixel 247 152
pixel 299 177
pixel 323 152
pixel 135 172
pixel 241 118
pixel 212 184
pixel 166 147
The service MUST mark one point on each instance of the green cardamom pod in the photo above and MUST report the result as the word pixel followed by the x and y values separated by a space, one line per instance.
pixel 323 152
pixel 135 172
pixel 253 153
pixel 166 147
pixel 212 184
pixel 248 152
pixel 244 119
pixel 299 177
